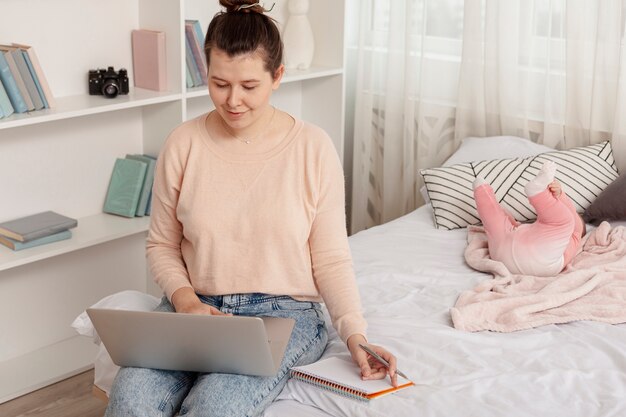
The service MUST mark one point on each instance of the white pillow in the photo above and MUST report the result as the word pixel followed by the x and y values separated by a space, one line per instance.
pixel 123 300
pixel 104 368
pixel 584 173
pixel 474 149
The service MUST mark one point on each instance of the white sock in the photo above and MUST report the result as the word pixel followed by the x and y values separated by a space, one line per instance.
pixel 479 181
pixel 542 180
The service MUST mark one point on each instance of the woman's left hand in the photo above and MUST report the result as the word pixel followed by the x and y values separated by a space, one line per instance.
pixel 370 367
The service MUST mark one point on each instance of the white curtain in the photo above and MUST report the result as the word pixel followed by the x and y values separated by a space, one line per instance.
pixel 431 72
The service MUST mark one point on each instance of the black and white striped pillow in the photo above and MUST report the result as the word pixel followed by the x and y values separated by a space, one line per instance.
pixel 583 172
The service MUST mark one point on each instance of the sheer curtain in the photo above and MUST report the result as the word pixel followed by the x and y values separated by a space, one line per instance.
pixel 431 72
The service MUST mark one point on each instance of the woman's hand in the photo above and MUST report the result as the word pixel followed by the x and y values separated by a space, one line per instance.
pixel 185 300
pixel 370 367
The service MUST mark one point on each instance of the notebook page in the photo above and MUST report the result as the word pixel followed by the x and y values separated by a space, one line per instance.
pixel 347 374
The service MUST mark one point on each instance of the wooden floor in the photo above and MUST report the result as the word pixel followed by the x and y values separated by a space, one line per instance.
pixel 69 398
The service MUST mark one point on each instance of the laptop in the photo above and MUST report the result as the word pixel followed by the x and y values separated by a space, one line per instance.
pixel 193 342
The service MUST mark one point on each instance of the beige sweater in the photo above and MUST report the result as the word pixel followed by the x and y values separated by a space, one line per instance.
pixel 272 222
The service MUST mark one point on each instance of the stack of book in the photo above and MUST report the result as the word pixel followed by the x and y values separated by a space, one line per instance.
pixel 35 230
pixel 23 85
pixel 196 60
pixel 130 189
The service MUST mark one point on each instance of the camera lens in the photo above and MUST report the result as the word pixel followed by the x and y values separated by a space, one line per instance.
pixel 110 88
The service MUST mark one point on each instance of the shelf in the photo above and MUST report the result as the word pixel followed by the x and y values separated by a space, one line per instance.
pixel 91 230
pixel 83 105
pixel 45 366
pixel 289 77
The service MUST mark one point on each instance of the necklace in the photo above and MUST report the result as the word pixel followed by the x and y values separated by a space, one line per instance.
pixel 248 141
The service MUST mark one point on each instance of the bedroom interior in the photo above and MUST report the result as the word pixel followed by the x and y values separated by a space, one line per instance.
pixel 417 95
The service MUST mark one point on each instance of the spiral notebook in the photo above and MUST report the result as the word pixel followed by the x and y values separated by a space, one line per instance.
pixel 344 378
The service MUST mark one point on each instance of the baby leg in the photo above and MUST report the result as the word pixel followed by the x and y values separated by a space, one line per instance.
pixel 542 180
pixel 496 220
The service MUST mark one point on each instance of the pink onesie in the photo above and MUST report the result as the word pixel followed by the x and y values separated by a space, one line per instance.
pixel 542 248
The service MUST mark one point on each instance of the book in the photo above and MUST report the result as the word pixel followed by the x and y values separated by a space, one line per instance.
pixel 18 79
pixel 10 85
pixel 26 75
pixel 124 188
pixel 191 64
pixel 17 245
pixel 197 49
pixel 5 103
pixel 344 378
pixel 149 64
pixel 37 225
pixel 199 36
pixel 40 78
pixel 146 188
pixel 149 207
pixel 188 79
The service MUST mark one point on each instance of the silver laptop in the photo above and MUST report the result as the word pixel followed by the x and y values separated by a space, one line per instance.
pixel 193 342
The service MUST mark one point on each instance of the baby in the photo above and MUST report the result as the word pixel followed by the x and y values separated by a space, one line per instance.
pixel 542 248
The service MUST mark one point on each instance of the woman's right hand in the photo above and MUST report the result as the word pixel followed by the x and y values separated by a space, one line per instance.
pixel 185 300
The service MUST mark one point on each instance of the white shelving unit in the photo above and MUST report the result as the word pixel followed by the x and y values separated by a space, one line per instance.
pixel 61 159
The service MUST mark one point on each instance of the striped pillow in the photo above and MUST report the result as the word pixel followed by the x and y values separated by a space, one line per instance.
pixel 583 172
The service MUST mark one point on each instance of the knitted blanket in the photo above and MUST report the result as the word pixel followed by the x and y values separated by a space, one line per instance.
pixel 591 287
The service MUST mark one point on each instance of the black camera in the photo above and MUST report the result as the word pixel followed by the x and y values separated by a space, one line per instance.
pixel 107 82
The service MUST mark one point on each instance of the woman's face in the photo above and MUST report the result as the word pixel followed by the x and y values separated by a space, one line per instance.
pixel 240 87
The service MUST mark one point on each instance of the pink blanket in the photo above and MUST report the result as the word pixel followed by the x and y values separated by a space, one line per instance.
pixel 592 287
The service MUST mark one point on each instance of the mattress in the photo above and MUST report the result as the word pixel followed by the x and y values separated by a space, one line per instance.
pixel 409 275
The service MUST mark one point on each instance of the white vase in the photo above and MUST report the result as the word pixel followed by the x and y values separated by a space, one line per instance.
pixel 298 36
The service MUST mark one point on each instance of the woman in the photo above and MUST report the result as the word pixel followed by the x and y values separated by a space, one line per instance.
pixel 248 218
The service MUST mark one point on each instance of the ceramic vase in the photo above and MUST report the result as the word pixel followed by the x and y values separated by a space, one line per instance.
pixel 298 37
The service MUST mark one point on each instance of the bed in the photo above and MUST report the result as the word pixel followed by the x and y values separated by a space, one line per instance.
pixel 410 274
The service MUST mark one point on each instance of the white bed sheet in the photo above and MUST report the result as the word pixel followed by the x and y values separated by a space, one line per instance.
pixel 409 275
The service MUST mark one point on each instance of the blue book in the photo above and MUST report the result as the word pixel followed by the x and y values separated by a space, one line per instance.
pixel 18 79
pixel 17 245
pixel 33 74
pixel 191 63
pixel 22 67
pixel 5 103
pixel 10 85
pixel 146 187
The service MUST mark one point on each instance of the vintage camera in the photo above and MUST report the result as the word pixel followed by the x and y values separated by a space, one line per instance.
pixel 107 82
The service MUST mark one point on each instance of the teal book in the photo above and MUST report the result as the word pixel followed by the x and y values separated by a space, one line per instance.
pixel 10 85
pixel 33 74
pixel 146 188
pixel 5 103
pixel 17 245
pixel 149 208
pixel 36 225
pixel 125 185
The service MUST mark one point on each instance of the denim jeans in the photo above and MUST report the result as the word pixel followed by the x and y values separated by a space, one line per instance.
pixel 143 392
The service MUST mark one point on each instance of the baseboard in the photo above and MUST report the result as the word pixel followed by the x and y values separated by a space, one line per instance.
pixel 100 394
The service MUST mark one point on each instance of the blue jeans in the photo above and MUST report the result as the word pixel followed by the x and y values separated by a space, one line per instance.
pixel 143 392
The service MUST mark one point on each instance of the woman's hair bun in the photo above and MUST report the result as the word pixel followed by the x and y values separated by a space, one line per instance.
pixel 245 6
